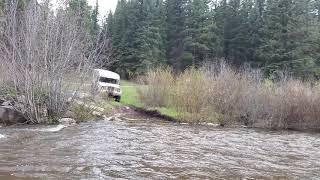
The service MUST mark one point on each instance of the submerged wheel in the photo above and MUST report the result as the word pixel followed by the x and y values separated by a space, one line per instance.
pixel 117 98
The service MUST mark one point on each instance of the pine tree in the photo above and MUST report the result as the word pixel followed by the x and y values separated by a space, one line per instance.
pixel 108 25
pixel 200 37
pixel 270 34
pixel 256 25
pixel 287 42
pixel 176 17
pixel 235 34
pixel 81 9
pixel 152 52
pixel 95 28
pixel 138 36
pixel 118 28
pixel 105 40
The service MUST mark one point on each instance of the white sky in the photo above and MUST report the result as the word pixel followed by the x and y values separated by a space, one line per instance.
pixel 104 6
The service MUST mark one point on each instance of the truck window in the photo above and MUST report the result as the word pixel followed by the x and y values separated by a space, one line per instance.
pixel 108 80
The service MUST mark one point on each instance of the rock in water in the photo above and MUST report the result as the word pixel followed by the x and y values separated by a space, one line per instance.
pixel 54 129
pixel 7 103
pixel 69 114
pixel 67 121
pixel 10 116
pixel 96 113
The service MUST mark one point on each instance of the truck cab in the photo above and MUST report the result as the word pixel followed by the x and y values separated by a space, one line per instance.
pixel 108 82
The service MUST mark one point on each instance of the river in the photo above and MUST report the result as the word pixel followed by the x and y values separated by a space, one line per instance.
pixel 155 149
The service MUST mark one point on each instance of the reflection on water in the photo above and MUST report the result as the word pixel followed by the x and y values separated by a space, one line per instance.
pixel 157 150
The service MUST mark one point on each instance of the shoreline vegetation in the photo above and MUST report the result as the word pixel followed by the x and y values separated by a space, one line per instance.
pixel 212 95
pixel 218 94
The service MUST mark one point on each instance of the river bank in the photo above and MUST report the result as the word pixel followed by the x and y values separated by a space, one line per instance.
pixel 227 96
pixel 86 108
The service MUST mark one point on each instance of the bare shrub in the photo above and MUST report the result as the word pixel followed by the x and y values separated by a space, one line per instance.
pixel 190 96
pixel 235 97
pixel 227 91
pixel 288 104
pixel 244 97
pixel 38 49
pixel 158 87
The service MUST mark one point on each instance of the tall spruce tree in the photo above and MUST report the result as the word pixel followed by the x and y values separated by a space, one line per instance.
pixel 256 25
pixel 138 36
pixel 199 41
pixel 287 43
pixel 95 28
pixel 270 34
pixel 176 17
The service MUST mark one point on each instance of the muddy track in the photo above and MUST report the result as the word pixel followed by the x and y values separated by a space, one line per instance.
pixel 140 113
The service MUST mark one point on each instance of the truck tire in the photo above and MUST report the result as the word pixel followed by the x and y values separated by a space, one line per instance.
pixel 117 98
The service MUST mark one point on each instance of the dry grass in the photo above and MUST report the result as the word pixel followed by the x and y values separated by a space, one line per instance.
pixel 190 96
pixel 159 93
pixel 288 104
pixel 217 93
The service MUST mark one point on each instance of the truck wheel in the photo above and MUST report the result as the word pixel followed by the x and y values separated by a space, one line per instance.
pixel 117 98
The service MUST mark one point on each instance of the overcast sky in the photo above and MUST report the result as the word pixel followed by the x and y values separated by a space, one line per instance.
pixel 104 6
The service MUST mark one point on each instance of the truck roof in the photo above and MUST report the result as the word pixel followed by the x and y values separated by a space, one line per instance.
pixel 107 74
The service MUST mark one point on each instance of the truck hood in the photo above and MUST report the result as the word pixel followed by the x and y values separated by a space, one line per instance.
pixel 102 84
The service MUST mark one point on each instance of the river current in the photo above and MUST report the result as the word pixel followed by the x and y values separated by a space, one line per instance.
pixel 154 149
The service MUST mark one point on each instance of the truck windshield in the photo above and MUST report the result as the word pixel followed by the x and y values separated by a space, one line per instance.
pixel 108 80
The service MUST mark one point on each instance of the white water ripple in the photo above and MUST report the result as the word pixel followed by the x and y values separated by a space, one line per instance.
pixel 54 129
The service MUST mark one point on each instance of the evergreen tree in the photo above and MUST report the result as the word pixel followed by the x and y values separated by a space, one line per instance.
pixel 138 36
pixel 176 17
pixel 108 25
pixel 234 31
pixel 81 9
pixel 287 43
pixel 200 38
pixel 119 26
pixel 270 34
pixel 256 25
pixel 95 28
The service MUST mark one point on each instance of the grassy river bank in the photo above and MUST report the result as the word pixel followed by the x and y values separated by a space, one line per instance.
pixel 132 98
pixel 201 96
pixel 227 97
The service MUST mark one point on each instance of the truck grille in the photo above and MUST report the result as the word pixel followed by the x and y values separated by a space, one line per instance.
pixel 110 89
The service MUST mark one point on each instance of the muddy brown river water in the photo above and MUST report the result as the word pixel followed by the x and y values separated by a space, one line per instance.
pixel 156 150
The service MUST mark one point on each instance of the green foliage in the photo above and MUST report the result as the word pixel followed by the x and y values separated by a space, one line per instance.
pixel 82 113
pixel 137 36
pixel 275 35
pixel 94 20
pixel 131 97
pixel 288 39
pixel 8 90
pixel 169 112
pixel 87 16
pixel 130 94
pixel 2 5
pixel 200 39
